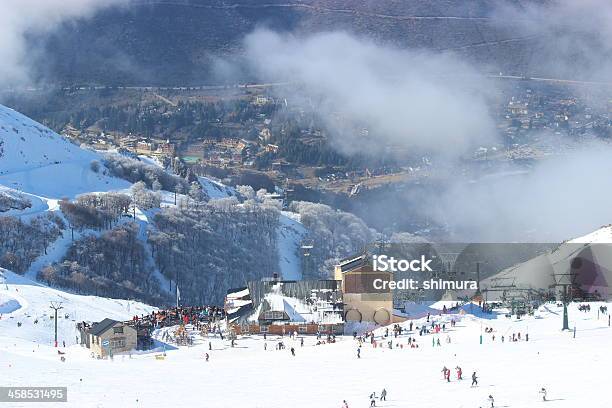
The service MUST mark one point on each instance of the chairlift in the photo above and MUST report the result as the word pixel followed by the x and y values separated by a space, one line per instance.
pixel 307 246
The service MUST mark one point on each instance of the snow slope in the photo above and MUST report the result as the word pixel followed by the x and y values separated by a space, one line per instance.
pixel 574 370
pixel 36 160
pixel 215 190
pixel 23 300
pixel 290 234
pixel 541 272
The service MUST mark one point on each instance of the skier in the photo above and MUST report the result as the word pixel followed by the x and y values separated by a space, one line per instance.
pixel 344 404
pixel 292 351
pixel 459 373
pixel 373 399
pixel 446 373
pixel 543 392
pixel 302 342
pixel 474 379
pixel 207 357
pixel 358 352
pixel 492 401
pixel 383 395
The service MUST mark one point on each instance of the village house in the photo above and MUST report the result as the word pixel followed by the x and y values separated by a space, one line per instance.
pixel 166 149
pixel 144 147
pixel 270 148
pixel 265 135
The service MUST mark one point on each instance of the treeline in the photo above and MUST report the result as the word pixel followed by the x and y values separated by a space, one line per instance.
pixel 151 118
pixel 207 247
pixel 306 140
pixel 334 234
pixel 113 264
pixel 95 211
pixel 215 246
pixel 154 177
pixel 13 201
pixel 22 242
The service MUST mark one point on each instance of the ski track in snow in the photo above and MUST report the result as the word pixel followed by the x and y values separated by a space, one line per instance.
pixel 289 238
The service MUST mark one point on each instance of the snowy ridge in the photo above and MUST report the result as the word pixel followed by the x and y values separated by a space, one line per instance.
pixel 600 236
pixel 38 168
pixel 36 160
pixel 595 249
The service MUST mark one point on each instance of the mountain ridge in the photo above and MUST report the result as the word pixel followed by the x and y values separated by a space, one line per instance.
pixel 165 43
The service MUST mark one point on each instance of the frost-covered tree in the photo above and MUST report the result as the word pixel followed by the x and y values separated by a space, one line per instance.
pixel 215 246
pixel 21 242
pixel 144 198
pixel 335 234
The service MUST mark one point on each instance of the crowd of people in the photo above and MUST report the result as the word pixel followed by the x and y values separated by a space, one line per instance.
pixel 195 315
pixel 202 318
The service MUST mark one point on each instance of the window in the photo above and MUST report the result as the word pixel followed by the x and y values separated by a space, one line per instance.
pixel 118 330
pixel 302 329
pixel 274 315
pixel 117 343
pixel 263 329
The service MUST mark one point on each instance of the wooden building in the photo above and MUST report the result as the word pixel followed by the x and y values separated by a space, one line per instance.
pixel 108 337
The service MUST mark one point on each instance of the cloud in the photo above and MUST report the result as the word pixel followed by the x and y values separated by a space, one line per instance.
pixel 436 102
pixel 411 99
pixel 561 197
pixel 20 19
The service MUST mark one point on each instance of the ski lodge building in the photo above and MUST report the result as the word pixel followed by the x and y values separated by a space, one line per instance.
pixel 362 302
pixel 108 337
pixel 316 306
pixel 282 307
